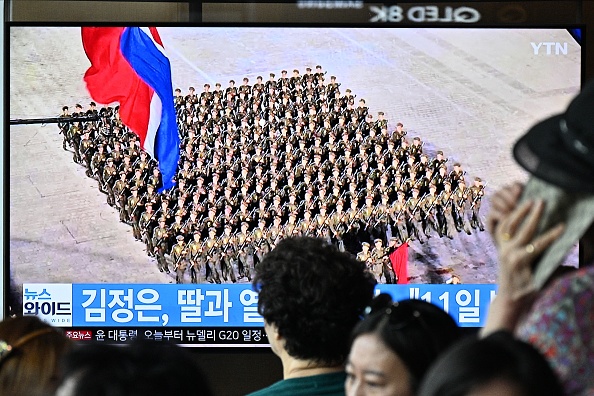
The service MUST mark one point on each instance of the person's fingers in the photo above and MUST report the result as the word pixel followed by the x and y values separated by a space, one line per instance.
pixel 502 203
pixel 507 228
pixel 527 228
pixel 545 240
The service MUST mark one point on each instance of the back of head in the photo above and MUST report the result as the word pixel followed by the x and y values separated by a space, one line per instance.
pixel 314 295
pixel 415 330
pixel 139 369
pixel 478 365
pixel 29 354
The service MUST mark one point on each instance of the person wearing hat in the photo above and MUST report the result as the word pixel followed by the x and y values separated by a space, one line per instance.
pixel 109 175
pixel 398 215
pixel 477 191
pixel 197 260
pixel 461 207
pixel 382 268
pixel 445 214
pixel 179 259
pixel 540 302
pixel 428 209
pixel 98 162
pixel 159 241
pixel 364 255
pixel 229 256
pixel 133 210
pixel 413 214
pixel 146 223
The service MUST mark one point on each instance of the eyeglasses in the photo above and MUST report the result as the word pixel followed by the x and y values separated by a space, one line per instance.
pixel 398 315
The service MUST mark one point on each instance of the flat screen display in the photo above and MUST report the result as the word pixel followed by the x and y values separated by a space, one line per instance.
pixel 373 138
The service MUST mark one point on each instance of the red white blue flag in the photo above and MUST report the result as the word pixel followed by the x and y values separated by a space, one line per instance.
pixel 129 66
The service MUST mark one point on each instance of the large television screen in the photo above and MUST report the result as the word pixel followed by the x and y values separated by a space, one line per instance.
pixel 386 141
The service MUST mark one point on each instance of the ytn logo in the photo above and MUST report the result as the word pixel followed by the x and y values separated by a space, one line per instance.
pixel 548 47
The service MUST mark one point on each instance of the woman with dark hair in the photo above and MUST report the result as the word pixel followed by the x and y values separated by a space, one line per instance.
pixel 394 346
pixel 495 365
pixel 30 351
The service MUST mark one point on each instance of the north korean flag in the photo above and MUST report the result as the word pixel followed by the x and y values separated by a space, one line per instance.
pixel 129 66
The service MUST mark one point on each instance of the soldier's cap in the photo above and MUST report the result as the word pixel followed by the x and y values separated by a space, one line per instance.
pixel 179 214
pixel 217 84
pixel 457 164
pixel 380 113
pixel 179 238
pixel 443 166
pixel 447 182
pixel 284 72
pixel 376 240
pixel 133 188
pixel 295 71
pixel 348 90
pixel 207 85
pixel 162 220
pixel 228 226
pixel 432 184
pixel 415 189
pixel 365 244
pixel 478 179
pixel 439 152
pixel 271 74
pixel 332 77
pixel 244 223
pixel 212 229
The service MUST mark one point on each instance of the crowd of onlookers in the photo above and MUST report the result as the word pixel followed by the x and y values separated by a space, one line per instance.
pixel 334 337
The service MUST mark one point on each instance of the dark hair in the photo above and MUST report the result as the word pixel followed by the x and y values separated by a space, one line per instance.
pixel 137 369
pixel 476 362
pixel 314 295
pixel 415 330
pixel 29 356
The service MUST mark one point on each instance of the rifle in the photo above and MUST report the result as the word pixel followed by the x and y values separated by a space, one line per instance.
pixel 432 205
pixel 355 218
pixel 475 200
pixel 53 120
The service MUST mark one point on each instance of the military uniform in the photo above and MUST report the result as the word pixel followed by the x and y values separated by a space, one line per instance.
pixel 179 258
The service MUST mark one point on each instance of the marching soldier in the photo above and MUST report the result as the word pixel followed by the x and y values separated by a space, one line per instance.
pixel 428 208
pixel 461 195
pixel 477 191
pixel 86 151
pixel 414 215
pixel 64 127
pixel 179 258
pixel 445 211
pixel 146 225
pixel 365 255
pixel 98 162
pixel 109 176
pixel 381 267
pixel 133 210
pixel 197 260
pixel 212 247
pixel 160 237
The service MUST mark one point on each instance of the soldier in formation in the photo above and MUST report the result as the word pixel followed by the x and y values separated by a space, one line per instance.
pixel 289 156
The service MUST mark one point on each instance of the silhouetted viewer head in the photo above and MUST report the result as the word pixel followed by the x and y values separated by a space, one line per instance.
pixel 496 365
pixel 560 149
pixel 138 369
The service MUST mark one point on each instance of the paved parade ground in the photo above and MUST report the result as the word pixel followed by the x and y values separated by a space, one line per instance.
pixel 468 93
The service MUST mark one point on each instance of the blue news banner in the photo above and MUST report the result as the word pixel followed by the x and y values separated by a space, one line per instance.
pixel 207 314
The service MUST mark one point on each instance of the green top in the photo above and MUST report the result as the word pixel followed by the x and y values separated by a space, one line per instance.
pixel 324 384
